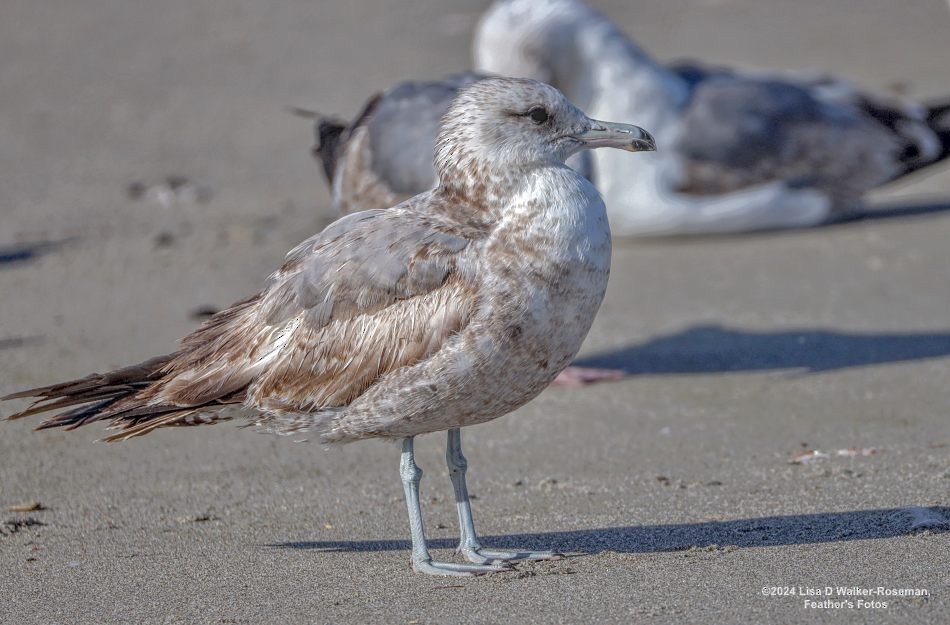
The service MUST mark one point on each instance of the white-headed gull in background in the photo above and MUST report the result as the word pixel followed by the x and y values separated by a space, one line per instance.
pixel 736 151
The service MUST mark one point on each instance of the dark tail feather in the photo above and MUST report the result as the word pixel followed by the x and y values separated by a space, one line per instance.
pixel 329 133
pixel 938 121
pixel 41 405
pixel 936 110
pixel 332 134
pixel 97 381
pixel 944 135
pixel 914 164
pixel 894 118
pixel 72 419
pixel 938 117
pixel 98 392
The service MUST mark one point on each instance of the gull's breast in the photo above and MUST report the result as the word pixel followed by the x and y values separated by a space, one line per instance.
pixel 547 274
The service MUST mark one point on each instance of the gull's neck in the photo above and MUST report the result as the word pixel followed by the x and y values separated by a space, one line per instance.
pixel 477 184
pixel 475 192
pixel 467 173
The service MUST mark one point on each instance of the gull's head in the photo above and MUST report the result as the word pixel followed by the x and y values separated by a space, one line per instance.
pixel 530 38
pixel 509 124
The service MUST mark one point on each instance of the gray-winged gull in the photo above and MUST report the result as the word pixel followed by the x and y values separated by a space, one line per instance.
pixel 453 308
pixel 738 151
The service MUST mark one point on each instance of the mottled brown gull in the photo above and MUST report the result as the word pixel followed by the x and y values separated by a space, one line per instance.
pixel 383 157
pixel 746 151
pixel 453 308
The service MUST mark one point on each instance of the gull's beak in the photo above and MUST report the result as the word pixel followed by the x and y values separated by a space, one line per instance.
pixel 611 135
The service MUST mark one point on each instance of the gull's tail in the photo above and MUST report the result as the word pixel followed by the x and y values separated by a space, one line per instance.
pixel 926 137
pixel 122 396
pixel 97 393
pixel 938 118
pixel 328 133
pixel 177 389
pixel 331 136
pixel 937 111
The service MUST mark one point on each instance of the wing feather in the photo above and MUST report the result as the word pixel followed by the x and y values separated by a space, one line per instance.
pixel 373 292
pixel 739 131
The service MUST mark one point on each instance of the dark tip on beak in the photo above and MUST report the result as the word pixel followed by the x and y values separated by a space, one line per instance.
pixel 622 136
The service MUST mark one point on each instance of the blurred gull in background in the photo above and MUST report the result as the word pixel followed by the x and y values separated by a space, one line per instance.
pixel 736 151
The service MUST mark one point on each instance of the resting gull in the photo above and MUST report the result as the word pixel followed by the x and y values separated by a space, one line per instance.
pixel 453 308
pixel 745 151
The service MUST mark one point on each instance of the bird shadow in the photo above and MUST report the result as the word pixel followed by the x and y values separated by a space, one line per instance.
pixel 932 208
pixel 21 341
pixel 771 531
pixel 24 252
pixel 715 348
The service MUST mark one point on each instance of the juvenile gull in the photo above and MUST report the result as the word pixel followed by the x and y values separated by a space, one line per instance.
pixel 740 151
pixel 383 157
pixel 453 308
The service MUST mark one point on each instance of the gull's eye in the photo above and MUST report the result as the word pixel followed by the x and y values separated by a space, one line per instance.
pixel 538 114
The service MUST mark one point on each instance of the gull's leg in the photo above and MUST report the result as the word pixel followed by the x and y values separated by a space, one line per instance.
pixel 421 560
pixel 468 542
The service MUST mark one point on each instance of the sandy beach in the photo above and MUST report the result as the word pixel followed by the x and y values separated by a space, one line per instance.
pixel 150 172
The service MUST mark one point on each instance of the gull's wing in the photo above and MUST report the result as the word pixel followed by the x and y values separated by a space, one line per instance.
pixel 921 129
pixel 738 131
pixel 373 292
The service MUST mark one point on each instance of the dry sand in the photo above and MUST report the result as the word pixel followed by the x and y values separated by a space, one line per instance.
pixel 673 486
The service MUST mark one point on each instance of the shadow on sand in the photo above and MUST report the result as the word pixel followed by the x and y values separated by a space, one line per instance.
pixel 797 529
pixel 25 252
pixel 933 208
pixel 20 341
pixel 718 349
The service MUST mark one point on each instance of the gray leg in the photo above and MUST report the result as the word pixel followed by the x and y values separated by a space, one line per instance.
pixel 421 560
pixel 468 543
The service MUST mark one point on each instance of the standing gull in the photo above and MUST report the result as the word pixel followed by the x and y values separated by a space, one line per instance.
pixel 746 151
pixel 453 308
pixel 383 157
